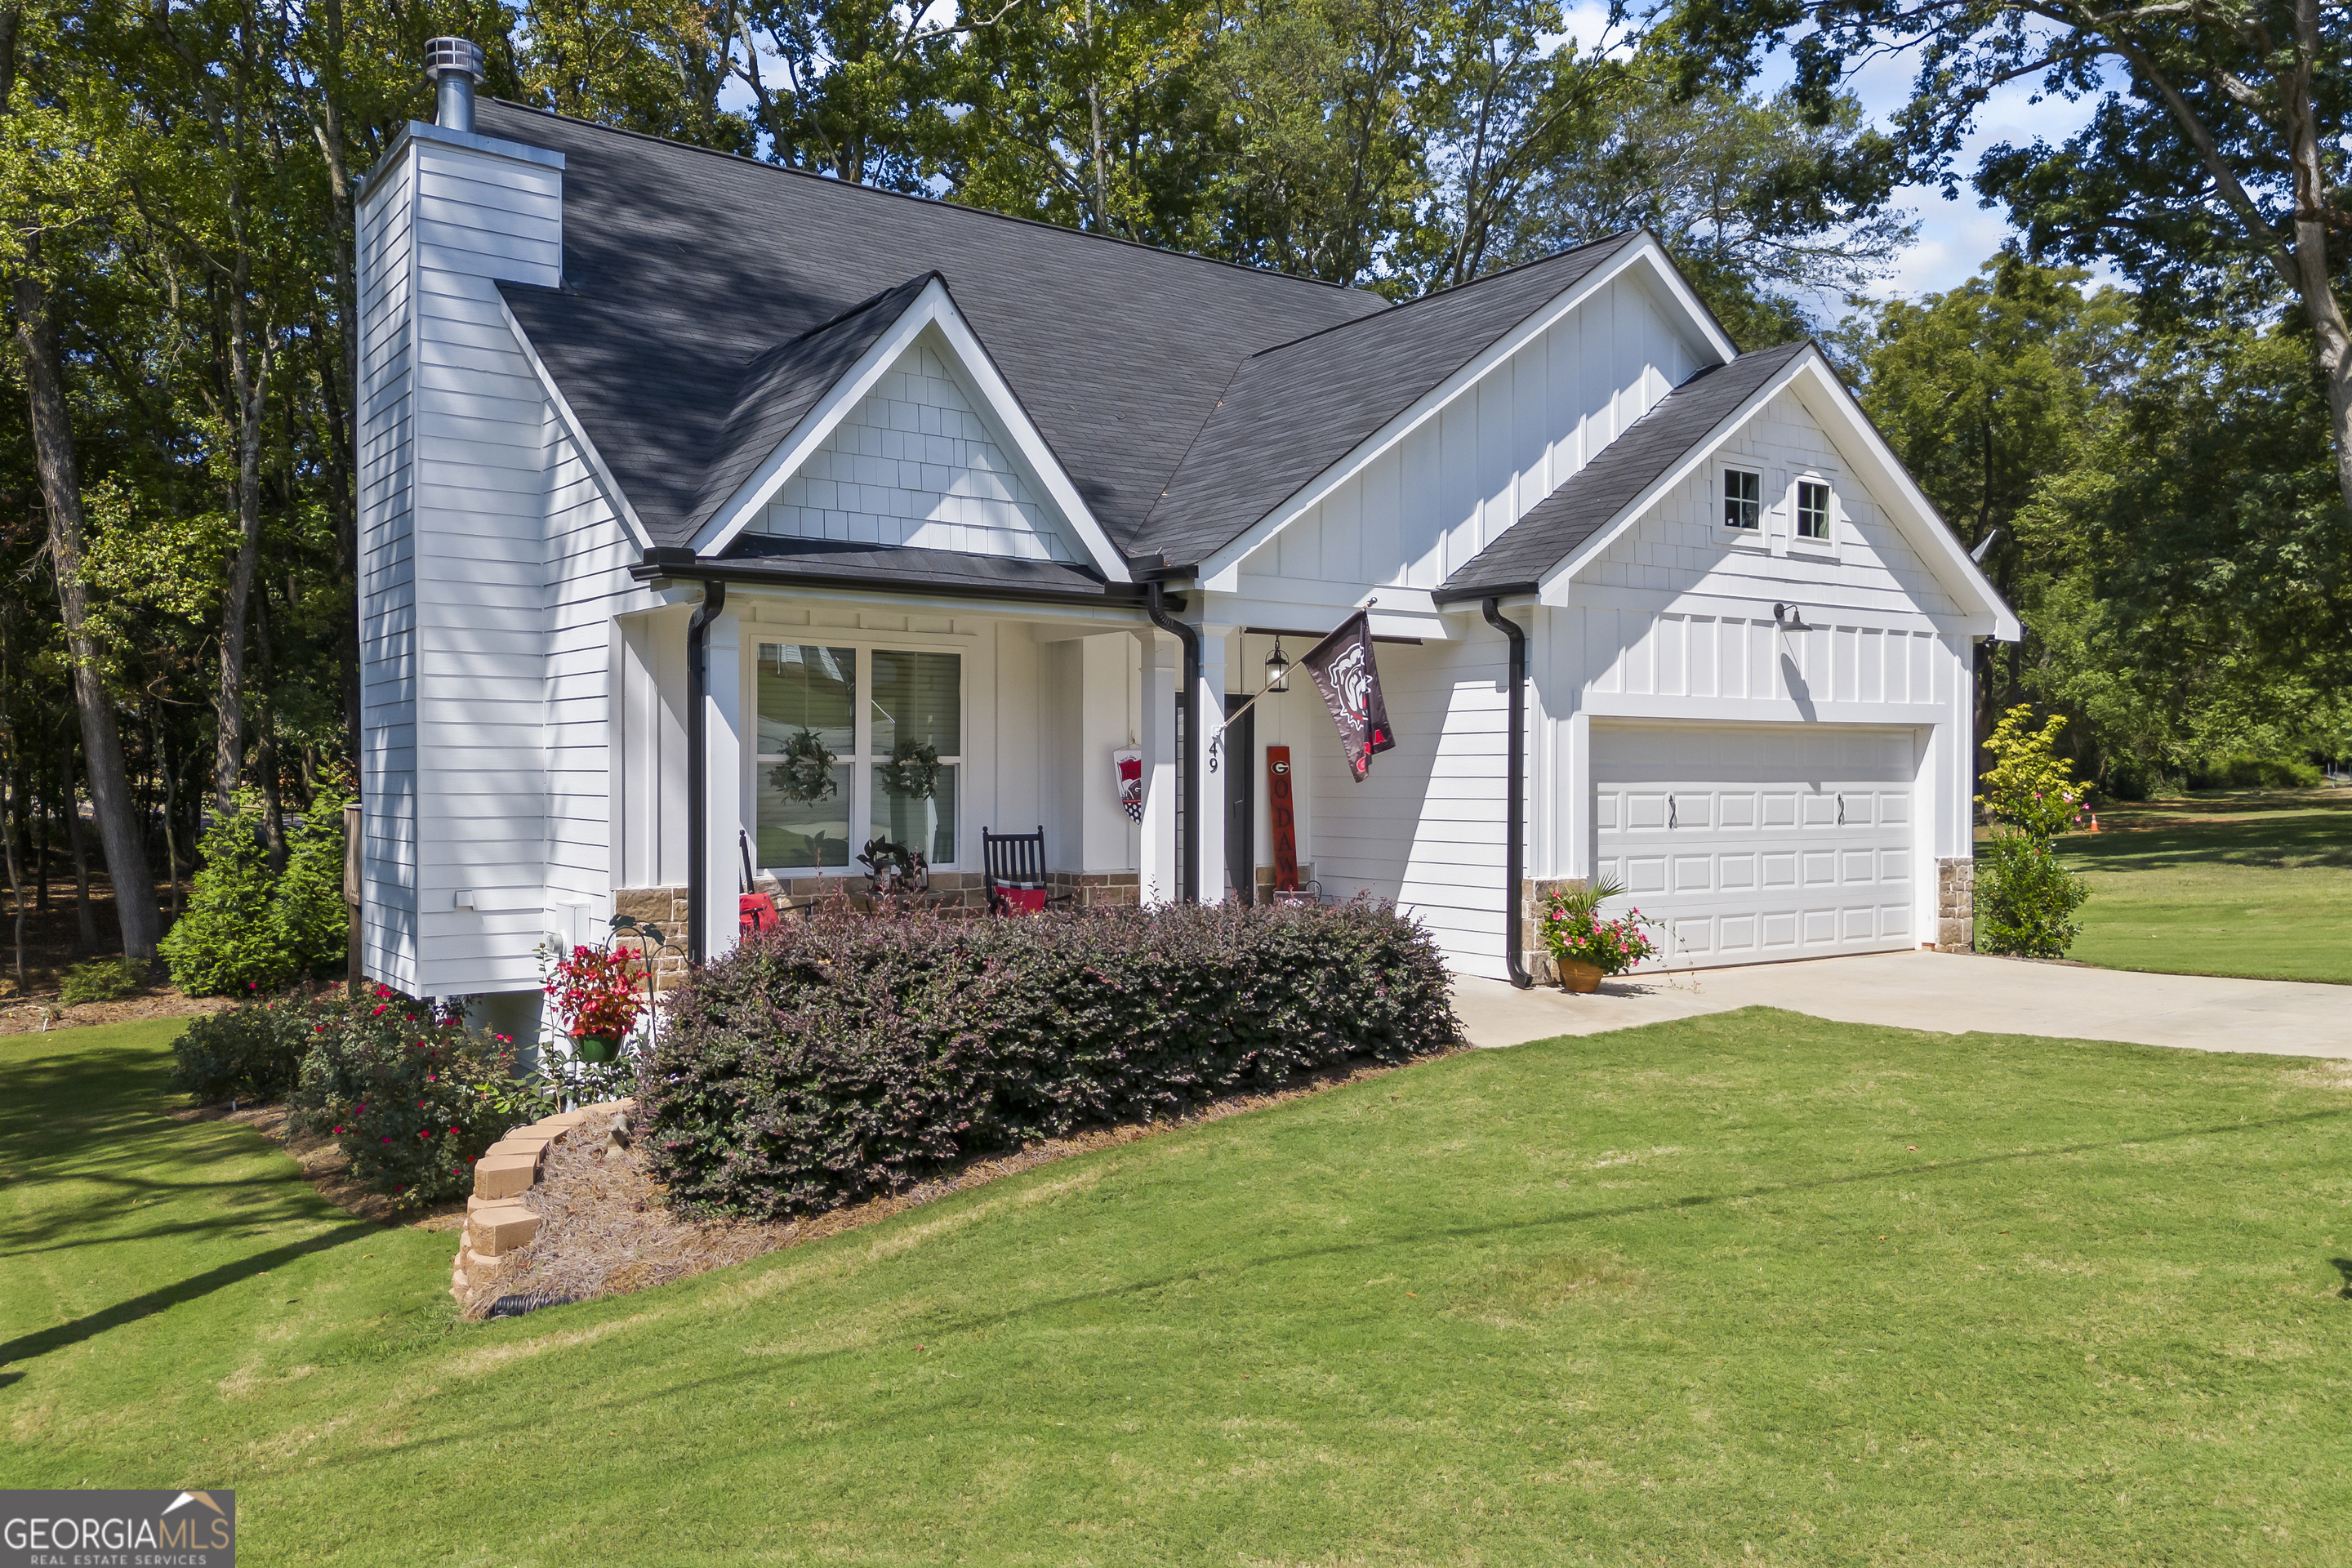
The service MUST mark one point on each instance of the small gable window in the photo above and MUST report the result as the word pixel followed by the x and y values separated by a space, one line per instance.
pixel 1813 509
pixel 1743 499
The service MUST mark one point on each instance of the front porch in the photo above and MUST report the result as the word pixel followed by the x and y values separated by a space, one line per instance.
pixel 833 717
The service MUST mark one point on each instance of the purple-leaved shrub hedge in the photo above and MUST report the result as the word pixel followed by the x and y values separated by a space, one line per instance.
pixel 835 1059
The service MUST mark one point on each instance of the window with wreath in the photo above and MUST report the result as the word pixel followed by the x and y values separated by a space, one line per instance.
pixel 1813 509
pixel 1743 499
pixel 857 743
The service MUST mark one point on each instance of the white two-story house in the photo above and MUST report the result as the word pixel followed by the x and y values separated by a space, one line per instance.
pixel 674 459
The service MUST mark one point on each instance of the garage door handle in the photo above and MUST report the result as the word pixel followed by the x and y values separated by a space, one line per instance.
pixel 1840 821
pixel 1671 822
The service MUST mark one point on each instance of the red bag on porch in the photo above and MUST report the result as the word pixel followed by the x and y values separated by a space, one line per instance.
pixel 1023 901
pixel 754 912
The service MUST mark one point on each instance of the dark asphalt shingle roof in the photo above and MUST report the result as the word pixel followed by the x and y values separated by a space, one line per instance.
pixel 682 267
pixel 1294 410
pixel 1619 473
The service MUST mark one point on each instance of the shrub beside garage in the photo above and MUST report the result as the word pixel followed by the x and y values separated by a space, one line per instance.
pixel 837 1059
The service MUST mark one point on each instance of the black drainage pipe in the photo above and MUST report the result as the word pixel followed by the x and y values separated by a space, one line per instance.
pixel 1515 789
pixel 698 772
pixel 1188 777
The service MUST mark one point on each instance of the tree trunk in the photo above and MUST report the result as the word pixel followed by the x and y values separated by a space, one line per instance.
pixel 266 762
pixel 38 840
pixel 101 743
pixel 17 898
pixel 84 921
pixel 246 387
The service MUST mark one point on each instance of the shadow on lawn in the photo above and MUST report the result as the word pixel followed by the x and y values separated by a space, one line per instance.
pixel 28 1346
pixel 2307 838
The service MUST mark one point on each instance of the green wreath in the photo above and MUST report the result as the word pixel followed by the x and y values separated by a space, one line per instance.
pixel 806 776
pixel 913 771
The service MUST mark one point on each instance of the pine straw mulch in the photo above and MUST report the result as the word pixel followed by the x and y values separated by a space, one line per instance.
pixel 47 1016
pixel 606 1227
pixel 325 1166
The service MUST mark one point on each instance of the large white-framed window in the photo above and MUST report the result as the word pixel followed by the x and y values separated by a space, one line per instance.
pixel 892 718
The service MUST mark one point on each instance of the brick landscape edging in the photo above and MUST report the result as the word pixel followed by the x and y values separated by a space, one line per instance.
pixel 498 1220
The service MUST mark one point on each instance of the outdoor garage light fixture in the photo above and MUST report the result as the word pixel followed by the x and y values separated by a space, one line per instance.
pixel 1789 618
pixel 1278 670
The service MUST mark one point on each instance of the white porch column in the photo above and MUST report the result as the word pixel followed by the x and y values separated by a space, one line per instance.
pixel 1163 672
pixel 724 722
pixel 1209 835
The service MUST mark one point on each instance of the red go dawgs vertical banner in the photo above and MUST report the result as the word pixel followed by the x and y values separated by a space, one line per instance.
pixel 1285 825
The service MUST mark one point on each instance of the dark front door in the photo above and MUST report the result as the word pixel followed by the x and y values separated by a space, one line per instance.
pixel 1238 767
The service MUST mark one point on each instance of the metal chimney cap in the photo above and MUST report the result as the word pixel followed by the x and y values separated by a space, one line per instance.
pixel 453 57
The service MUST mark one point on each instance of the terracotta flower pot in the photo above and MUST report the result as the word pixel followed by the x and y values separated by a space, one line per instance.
pixel 598 1048
pixel 1575 974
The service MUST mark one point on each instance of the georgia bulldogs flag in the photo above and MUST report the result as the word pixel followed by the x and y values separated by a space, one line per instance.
pixel 1349 681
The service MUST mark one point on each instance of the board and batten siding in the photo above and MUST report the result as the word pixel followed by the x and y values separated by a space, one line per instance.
pixel 1420 510
pixel 915 464
pixel 492 498
pixel 1673 620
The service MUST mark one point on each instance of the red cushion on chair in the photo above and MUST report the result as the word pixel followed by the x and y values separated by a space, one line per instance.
pixel 1028 900
pixel 754 912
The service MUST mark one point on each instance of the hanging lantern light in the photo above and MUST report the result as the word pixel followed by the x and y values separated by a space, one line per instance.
pixel 1278 670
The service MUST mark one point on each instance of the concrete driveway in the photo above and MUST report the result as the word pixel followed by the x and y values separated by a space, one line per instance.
pixel 1949 993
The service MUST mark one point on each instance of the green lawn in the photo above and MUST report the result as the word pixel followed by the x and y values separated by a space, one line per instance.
pixel 1750 1288
pixel 2244 883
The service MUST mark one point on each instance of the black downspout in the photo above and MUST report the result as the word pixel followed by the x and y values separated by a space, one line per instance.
pixel 1515 788
pixel 1188 777
pixel 698 772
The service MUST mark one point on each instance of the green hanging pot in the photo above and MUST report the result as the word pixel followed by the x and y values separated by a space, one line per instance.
pixel 597 1048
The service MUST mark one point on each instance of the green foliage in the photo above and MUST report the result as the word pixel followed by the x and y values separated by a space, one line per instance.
pixel 99 980
pixel 2167 521
pixel 253 1051
pixel 248 928
pixel 834 1059
pixel 2029 786
pixel 2025 898
pixel 406 1091
pixel 228 942
pixel 2244 772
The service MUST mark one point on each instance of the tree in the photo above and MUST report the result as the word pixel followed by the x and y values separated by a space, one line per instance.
pixel 2219 140
pixel 1761 205
pixel 43 191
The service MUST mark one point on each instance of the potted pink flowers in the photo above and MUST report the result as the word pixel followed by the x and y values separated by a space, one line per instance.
pixel 1587 947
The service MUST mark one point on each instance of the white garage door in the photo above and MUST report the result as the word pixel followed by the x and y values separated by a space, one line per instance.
pixel 1752 843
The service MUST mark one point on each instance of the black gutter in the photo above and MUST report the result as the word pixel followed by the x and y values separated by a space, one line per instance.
pixel 1514 787
pixel 698 770
pixel 1443 595
pixel 657 572
pixel 1188 777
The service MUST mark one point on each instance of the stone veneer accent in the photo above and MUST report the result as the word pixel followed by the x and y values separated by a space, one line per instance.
pixel 498 1220
pixel 1533 956
pixel 1956 906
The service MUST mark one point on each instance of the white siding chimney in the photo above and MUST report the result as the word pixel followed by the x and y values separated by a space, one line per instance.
pixel 453 506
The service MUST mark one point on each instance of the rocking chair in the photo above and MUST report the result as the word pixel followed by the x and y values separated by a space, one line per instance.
pixel 1013 867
